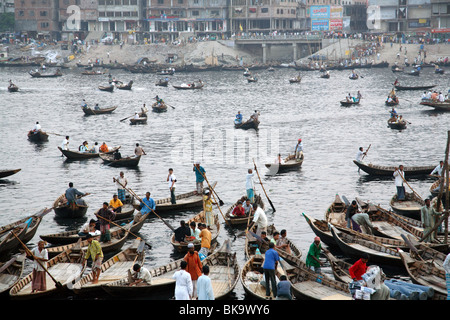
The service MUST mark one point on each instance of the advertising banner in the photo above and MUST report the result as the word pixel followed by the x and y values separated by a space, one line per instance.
pixel 320 25
pixel 320 12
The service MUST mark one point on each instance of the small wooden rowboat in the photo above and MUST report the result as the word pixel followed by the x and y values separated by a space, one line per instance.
pixel 10 272
pixel 89 111
pixel 215 229
pixel 72 211
pixel 109 88
pixel 410 207
pixel 439 106
pixel 123 86
pixel 113 269
pixel 7 173
pixel 188 87
pixel 347 103
pixel 397 87
pixel 36 74
pixel 297 79
pixel 434 188
pixel 13 88
pixel 249 124
pixel 308 285
pixel 24 229
pixel 159 107
pixel 65 268
pixel 397 124
pixel 241 221
pixel 184 201
pixel 355 247
pixel 39 136
pixel 76 155
pixel 388 171
pixel 118 239
pixel 425 273
pixel 128 162
pixel 162 83
pixel 290 163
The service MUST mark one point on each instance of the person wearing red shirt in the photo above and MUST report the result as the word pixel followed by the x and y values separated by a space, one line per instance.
pixel 238 211
pixel 359 268
pixel 194 267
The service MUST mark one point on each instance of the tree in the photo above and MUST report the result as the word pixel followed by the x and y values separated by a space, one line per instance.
pixel 6 21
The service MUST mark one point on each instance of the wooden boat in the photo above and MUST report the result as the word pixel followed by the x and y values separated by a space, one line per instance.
pixel 39 136
pixel 410 207
pixel 308 285
pixel 439 106
pixel 184 201
pixel 396 124
pixel 386 223
pixel 339 267
pixel 162 83
pixel 252 79
pixel 123 86
pixel 188 86
pixel 241 221
pixel 413 73
pixel 388 171
pixel 167 72
pixel 126 212
pixel 36 74
pixel 113 269
pixel 24 229
pixel 123 162
pixel 249 124
pixel 182 246
pixel 397 87
pixel 252 242
pixel 76 155
pixel 425 273
pixel 140 120
pixel 93 72
pixel 325 76
pixel 64 210
pixel 162 281
pixel 109 88
pixel 118 239
pixel 10 272
pixel 72 236
pixel 356 247
pixel 347 103
pixel 65 268
pixel 397 69
pixel 159 107
pixel 13 88
pixel 290 163
pixel 89 111
pixel 297 79
pixel 394 102
pixel 439 71
pixel 354 77
pixel 252 274
pixel 7 173
pixel 434 188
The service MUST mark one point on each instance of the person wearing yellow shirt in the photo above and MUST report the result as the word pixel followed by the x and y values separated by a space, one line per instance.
pixel 115 204
pixel 94 251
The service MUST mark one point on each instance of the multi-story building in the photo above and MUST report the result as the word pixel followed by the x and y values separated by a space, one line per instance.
pixel 77 18
pixel 255 16
pixel 6 6
pixel 354 15
pixel 440 16
pixel 39 18
pixel 403 15
pixel 170 19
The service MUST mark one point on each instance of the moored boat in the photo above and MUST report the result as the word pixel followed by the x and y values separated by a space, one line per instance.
pixel 11 272
pixel 410 207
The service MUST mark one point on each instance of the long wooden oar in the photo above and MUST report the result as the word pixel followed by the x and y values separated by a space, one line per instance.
pixel 365 153
pixel 126 230
pixel 211 188
pixel 410 186
pixel 140 200
pixel 57 283
pixel 268 199
pixel 126 118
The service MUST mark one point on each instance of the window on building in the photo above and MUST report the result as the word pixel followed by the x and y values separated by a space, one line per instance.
pixel 180 1
pixel 134 13
pixel 109 2
pixel 101 13
pixel 21 13
pixel 126 14
pixel 44 25
pixel 31 13
pixel 160 1
pixel 101 2
pixel 110 13
pixel 43 13
pixel 133 2
pixel 117 14
pixel 117 2
pixel 195 13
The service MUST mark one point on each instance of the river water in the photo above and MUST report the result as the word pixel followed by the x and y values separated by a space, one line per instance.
pixel 200 127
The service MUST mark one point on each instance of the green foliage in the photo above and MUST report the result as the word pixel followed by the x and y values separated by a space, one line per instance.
pixel 6 22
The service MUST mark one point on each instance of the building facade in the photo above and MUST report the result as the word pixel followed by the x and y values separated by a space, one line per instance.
pixel 39 18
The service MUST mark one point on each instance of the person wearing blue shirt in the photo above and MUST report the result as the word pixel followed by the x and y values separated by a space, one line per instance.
pixel 238 118
pixel 147 203
pixel 199 176
pixel 72 194
pixel 271 259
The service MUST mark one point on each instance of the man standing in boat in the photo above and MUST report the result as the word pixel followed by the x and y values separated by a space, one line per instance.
pixel 399 175
pixel 299 149
pixel 427 216
pixel 121 183
pixel 72 193
pixel 105 215
pixel 250 185
pixel 171 179
pixel 199 176
pixel 94 251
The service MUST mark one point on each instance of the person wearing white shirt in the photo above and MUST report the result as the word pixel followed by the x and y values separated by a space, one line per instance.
pixel 259 219
pixel 204 286
pixel 96 148
pixel 171 179
pixel 438 170
pixel 37 127
pixel 121 183
pixel 250 186
pixel 40 256
pixel 183 283
pixel 429 95
pixel 399 175
pixel 424 96
pixel 65 143
pixel 360 154
pixel 441 97
pixel 141 276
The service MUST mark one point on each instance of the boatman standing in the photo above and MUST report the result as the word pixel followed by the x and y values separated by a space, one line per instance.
pixel 360 154
pixel 399 175
pixel 250 185
pixel 121 183
pixel 299 149
pixel 199 177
